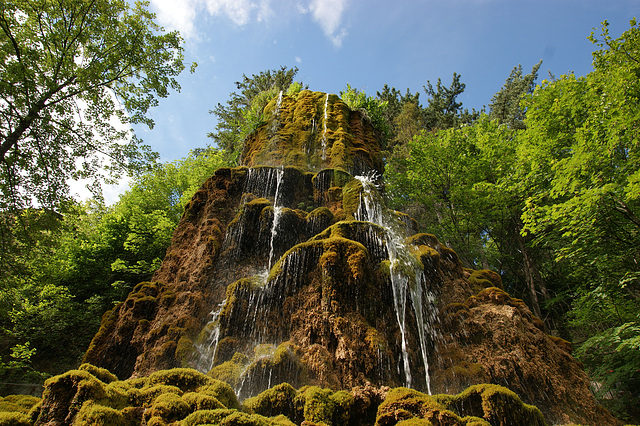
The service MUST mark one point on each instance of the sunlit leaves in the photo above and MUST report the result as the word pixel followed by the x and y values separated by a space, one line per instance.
pixel 70 71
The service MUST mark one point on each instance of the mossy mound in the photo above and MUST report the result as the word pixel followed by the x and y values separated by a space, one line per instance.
pixel 478 405
pixel 314 130
pixel 186 397
pixel 166 396
pixel 479 280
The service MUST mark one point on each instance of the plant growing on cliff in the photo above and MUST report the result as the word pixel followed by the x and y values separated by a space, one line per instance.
pixel 374 108
pixel 69 69
pixel 242 112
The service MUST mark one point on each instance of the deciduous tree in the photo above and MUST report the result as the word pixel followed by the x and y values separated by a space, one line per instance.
pixel 69 71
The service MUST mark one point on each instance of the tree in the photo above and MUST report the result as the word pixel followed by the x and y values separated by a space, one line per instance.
pixel 580 161
pixel 505 106
pixel 62 270
pixel 68 70
pixel 443 111
pixel 580 164
pixel 402 113
pixel 243 112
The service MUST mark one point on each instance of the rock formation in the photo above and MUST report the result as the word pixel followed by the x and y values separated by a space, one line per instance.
pixel 291 269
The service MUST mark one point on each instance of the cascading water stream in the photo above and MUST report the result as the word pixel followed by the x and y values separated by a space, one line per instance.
pixel 407 276
pixel 207 349
pixel 324 129
pixel 277 210
pixel 276 123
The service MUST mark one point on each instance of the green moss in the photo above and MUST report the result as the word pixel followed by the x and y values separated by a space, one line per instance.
pixel 231 371
pixel 101 374
pixel 187 379
pixel 318 406
pixel 320 214
pixel 495 404
pixel 20 403
pixel 204 417
pixel 412 406
pixel 323 406
pixel 479 280
pixel 169 407
pixel 78 385
pixel 222 392
pixel 282 420
pixel 280 399
pixel 242 287
pixel 351 197
pixel 201 401
pixel 14 419
pixel 415 422
pixel 342 402
pixel 427 255
pixel 92 413
pixel 424 239
pixel 184 349
pixel 145 396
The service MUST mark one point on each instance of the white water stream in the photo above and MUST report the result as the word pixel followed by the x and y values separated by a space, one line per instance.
pixel 407 275
pixel 324 129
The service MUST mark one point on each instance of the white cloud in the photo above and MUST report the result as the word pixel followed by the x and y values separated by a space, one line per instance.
pixel 239 11
pixel 181 14
pixel 328 14
pixel 177 15
pixel 298 59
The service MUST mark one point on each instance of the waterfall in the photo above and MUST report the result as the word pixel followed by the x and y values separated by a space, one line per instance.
pixel 276 123
pixel 207 349
pixel 277 210
pixel 324 130
pixel 406 272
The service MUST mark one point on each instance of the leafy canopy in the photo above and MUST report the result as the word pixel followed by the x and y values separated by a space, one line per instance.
pixel 70 70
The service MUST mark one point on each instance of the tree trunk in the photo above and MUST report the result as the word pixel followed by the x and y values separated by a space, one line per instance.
pixel 531 273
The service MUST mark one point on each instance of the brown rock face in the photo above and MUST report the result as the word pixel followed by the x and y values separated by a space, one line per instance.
pixel 301 275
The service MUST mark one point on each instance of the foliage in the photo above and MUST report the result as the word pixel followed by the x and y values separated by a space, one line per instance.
pixel 372 107
pixel 545 190
pixel 19 366
pixel 579 158
pixel 443 110
pixel 243 111
pixel 70 70
pixel 612 358
pixel 63 270
pixel 505 105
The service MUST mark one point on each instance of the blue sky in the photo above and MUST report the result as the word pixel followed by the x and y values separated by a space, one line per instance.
pixel 367 44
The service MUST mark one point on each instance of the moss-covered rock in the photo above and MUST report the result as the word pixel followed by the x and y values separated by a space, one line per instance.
pixel 479 280
pixel 281 399
pixel 496 404
pixel 18 403
pixel 14 419
pixel 408 406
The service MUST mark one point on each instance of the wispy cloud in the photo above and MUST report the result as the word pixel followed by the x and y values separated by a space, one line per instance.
pixel 181 14
pixel 328 14
pixel 239 11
